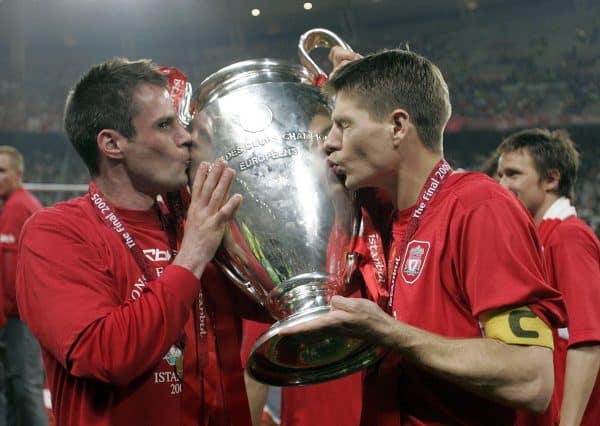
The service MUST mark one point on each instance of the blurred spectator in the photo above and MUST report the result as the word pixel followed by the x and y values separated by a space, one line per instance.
pixel 21 356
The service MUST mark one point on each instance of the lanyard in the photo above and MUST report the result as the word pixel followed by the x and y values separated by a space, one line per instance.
pixel 386 275
pixel 178 203
pixel 431 188
pixel 109 217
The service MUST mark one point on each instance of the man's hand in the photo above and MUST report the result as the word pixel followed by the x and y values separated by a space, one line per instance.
pixel 211 209
pixel 340 57
pixel 349 316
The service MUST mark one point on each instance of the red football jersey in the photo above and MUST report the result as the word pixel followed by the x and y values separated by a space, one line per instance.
pixel 108 337
pixel 475 249
pixel 16 210
pixel 572 256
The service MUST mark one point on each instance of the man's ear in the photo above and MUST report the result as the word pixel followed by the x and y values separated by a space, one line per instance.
pixel 552 181
pixel 110 143
pixel 400 124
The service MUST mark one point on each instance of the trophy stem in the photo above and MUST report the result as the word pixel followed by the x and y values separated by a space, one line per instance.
pixel 305 292
pixel 301 359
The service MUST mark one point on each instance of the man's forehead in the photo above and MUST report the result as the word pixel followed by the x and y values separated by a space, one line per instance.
pixel 519 156
pixel 344 101
pixel 152 102
pixel 4 157
pixel 151 93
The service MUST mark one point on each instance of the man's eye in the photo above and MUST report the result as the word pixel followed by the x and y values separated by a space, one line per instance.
pixel 164 124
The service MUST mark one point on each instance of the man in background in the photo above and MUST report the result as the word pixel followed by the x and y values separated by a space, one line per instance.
pixel 540 167
pixel 21 356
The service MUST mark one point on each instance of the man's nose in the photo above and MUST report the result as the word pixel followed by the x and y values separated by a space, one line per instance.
pixel 332 141
pixel 183 138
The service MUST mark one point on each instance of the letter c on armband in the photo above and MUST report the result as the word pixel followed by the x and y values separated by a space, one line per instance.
pixel 518 326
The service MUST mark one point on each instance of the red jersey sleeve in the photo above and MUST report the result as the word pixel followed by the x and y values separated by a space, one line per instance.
pixel 16 212
pixel 574 255
pixel 66 294
pixel 500 261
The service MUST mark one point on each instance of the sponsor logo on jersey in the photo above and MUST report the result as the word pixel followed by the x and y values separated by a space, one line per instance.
pixel 157 255
pixel 414 260
pixel 7 239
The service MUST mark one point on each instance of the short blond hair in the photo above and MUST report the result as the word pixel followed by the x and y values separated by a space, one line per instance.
pixel 16 159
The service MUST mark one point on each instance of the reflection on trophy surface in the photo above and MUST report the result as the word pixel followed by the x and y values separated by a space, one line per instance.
pixel 290 247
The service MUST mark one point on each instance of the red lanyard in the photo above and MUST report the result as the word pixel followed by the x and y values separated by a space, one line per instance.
pixel 431 188
pixel 386 275
pixel 107 214
pixel 109 217
pixel 178 202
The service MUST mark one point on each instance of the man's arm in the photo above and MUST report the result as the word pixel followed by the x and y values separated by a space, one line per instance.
pixel 583 364
pixel 66 292
pixel 573 253
pixel 516 375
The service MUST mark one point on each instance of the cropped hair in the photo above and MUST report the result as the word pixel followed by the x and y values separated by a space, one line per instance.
pixel 104 99
pixel 550 150
pixel 384 81
pixel 16 158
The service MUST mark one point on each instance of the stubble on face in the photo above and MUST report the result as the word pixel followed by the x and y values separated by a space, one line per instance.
pixel 519 175
pixel 157 156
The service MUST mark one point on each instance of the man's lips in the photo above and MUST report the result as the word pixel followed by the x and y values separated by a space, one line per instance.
pixel 336 168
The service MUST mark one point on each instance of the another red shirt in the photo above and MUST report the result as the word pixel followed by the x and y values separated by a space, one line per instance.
pixel 475 250
pixel 106 335
pixel 572 256
pixel 16 210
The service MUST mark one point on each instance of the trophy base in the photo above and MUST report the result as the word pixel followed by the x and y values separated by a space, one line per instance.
pixel 307 358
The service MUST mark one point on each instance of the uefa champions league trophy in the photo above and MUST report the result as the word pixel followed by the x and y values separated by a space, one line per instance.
pixel 290 247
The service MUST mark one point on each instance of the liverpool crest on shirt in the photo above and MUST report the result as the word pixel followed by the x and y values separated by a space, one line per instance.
pixel 414 260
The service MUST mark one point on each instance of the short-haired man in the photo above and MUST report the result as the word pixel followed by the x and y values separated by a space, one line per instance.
pixel 21 358
pixel 540 167
pixel 137 326
pixel 450 260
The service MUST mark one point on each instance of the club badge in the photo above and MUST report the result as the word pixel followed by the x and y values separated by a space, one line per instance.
pixel 414 260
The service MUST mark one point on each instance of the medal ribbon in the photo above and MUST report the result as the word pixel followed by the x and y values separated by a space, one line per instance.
pixel 178 203
pixel 386 275
pixel 431 188
pixel 109 217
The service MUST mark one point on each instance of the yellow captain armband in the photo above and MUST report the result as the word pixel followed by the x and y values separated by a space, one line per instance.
pixel 518 326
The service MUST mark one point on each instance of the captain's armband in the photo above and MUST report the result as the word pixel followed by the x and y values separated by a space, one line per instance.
pixel 518 326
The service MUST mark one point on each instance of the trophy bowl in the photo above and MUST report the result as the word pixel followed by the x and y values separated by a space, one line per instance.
pixel 290 246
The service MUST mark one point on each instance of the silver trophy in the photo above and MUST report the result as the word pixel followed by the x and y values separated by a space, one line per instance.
pixel 290 247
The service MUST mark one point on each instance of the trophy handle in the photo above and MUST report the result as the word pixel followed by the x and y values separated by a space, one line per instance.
pixel 317 37
pixel 236 277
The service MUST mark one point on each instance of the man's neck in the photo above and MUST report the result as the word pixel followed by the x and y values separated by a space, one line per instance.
pixel 12 191
pixel 549 199
pixel 121 193
pixel 412 176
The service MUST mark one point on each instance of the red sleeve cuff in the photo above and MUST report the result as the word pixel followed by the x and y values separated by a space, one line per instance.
pixel 183 279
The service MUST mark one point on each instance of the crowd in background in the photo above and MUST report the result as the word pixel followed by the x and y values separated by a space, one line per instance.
pixel 502 76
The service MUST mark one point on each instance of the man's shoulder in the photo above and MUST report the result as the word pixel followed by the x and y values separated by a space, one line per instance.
pixel 473 189
pixel 573 229
pixel 22 201
pixel 66 215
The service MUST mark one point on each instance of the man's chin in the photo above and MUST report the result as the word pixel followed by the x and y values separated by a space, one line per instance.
pixel 349 183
